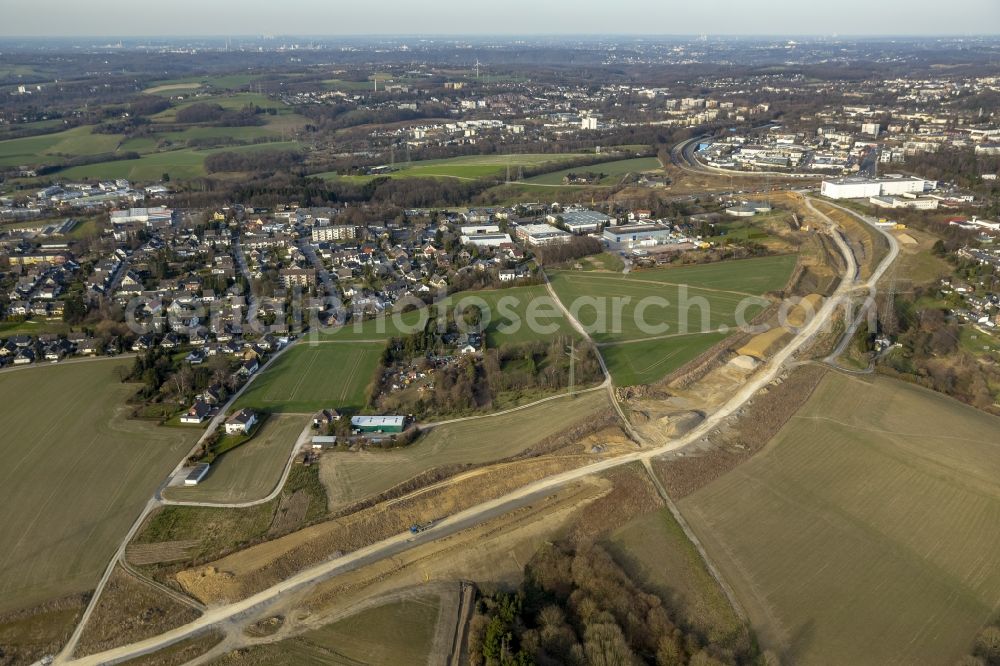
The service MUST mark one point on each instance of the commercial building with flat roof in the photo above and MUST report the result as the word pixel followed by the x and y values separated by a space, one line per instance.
pixel 919 203
pixel 486 240
pixel 581 221
pixel 864 188
pixel 541 234
pixel 637 233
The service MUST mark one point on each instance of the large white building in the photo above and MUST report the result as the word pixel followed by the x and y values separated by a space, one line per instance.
pixel 919 203
pixel 541 234
pixel 333 232
pixel 473 229
pixel 142 215
pixel 864 188
pixel 638 233
pixel 486 240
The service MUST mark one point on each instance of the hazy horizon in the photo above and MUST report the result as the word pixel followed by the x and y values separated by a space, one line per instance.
pixel 443 18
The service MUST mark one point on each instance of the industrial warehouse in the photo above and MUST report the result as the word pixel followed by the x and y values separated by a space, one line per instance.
pixel 864 188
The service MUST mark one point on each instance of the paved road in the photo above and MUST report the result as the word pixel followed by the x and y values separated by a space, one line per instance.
pixel 488 510
pixel 683 156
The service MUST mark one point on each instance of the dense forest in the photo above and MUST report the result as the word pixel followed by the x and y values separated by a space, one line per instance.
pixel 576 606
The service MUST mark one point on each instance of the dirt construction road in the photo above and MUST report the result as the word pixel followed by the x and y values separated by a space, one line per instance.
pixel 534 492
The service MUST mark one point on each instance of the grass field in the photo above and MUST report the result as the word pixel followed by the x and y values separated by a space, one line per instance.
pixel 658 555
pixel 865 533
pixel 614 171
pixel 395 633
pixel 648 361
pixel 76 473
pixel 180 164
pixel 47 148
pixel 509 316
pixel 172 88
pixel 350 477
pixel 605 261
pixel 466 167
pixel 512 310
pixel 646 342
pixel 180 533
pixel 33 327
pixel 311 377
pixel 179 86
pixel 250 471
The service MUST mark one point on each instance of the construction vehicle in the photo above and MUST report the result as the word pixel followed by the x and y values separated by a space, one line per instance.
pixel 417 528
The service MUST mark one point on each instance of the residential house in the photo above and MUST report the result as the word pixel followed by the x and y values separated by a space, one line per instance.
pixel 199 412
pixel 241 423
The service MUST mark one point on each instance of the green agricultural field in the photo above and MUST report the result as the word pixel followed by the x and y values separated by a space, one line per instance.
pixel 315 375
pixel 249 133
pixel 756 276
pixel 76 473
pixel 649 323
pixel 352 86
pixel 605 261
pixel 48 148
pixel 172 88
pixel 614 171
pixel 865 533
pixel 180 164
pixel 234 101
pixel 401 632
pixel 33 327
pixel 509 316
pixel 512 311
pixel 466 167
pixel 37 126
pixel 648 361
pixel 350 477
pixel 250 471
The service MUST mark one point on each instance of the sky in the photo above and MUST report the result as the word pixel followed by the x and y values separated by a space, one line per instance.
pixel 497 17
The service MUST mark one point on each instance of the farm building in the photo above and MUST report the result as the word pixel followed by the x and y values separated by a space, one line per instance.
pixel 196 474
pixel 319 441
pixel 241 422
pixel 378 423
